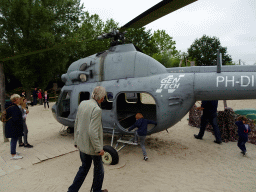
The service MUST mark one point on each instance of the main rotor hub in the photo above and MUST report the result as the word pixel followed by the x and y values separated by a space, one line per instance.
pixel 116 36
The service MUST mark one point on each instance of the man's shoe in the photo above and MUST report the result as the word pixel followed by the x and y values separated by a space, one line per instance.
pixel 197 137
pixel 21 145
pixel 28 146
pixel 243 152
pixel 105 190
pixel 218 142
pixel 145 158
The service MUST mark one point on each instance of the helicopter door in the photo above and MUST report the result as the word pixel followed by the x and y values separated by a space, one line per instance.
pixel 64 104
pixel 131 103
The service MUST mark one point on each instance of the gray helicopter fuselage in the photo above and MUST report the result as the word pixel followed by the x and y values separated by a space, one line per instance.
pixel 129 75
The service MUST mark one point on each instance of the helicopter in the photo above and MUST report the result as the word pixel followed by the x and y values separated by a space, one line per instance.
pixel 130 75
pixel 135 82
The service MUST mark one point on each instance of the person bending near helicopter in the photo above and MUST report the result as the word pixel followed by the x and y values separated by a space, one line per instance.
pixel 88 138
pixel 209 116
pixel 141 133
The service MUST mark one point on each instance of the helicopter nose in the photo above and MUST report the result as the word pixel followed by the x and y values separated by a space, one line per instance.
pixel 54 111
pixel 175 101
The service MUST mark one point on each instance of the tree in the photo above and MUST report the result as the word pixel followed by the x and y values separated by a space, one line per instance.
pixel 164 43
pixel 204 51
pixel 27 26
pixel 92 26
pixel 142 39
pixel 166 50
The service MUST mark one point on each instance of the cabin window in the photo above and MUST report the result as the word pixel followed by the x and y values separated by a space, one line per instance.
pixel 110 97
pixel 146 98
pixel 64 104
pixel 84 96
pixel 107 104
pixel 131 97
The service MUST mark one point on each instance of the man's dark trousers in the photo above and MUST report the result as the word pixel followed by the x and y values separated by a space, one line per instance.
pixel 241 143
pixel 35 100
pixel 213 121
pixel 98 175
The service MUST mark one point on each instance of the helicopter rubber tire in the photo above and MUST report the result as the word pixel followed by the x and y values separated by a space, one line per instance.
pixel 110 156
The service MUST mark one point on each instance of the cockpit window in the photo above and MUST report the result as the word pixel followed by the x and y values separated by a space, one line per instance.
pixel 64 104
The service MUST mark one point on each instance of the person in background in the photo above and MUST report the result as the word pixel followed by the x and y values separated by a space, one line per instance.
pixel 209 116
pixel 141 133
pixel 40 97
pixel 24 111
pixel 14 124
pixel 243 130
pixel 46 99
pixel 23 94
pixel 88 136
pixel 35 97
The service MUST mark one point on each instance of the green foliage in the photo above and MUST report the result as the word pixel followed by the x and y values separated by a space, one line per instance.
pixel 27 26
pixel 142 39
pixel 204 51
pixel 92 26
pixel 164 43
pixel 166 50
pixel 230 63
pixel 167 60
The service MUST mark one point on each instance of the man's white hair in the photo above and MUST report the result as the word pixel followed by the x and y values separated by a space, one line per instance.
pixel 14 97
pixel 98 93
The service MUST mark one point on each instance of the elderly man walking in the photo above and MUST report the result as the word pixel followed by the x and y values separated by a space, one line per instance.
pixel 88 135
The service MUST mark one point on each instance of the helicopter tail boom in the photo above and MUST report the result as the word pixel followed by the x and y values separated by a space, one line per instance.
pixel 225 86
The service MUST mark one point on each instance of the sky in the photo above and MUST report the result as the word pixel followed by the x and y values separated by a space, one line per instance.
pixel 232 21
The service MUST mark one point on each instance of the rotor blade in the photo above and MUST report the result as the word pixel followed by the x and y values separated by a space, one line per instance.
pixel 159 10
pixel 44 50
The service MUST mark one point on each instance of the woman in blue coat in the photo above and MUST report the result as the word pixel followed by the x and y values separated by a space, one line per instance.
pixel 14 125
pixel 243 130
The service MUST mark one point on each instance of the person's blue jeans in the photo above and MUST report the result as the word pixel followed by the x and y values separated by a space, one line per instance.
pixel 98 175
pixel 142 142
pixel 213 121
pixel 13 145
pixel 241 144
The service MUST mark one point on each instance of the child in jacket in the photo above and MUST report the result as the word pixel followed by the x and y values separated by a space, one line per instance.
pixel 243 130
pixel 141 133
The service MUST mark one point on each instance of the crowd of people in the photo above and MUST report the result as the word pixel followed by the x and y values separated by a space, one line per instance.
pixel 88 131
pixel 43 97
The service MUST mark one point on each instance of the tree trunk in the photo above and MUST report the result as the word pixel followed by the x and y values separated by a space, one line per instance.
pixel 2 95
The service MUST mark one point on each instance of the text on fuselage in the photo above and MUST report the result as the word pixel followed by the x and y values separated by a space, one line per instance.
pixel 169 83
pixel 243 81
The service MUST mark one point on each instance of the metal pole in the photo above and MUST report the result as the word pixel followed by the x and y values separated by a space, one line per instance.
pixel 2 95
pixel 219 61
pixel 113 133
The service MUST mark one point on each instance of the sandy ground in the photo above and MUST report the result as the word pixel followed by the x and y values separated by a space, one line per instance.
pixel 177 162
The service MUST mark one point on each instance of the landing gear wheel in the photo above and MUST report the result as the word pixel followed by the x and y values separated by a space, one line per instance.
pixel 110 156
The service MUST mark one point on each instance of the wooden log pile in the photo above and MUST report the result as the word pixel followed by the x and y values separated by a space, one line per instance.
pixel 226 123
